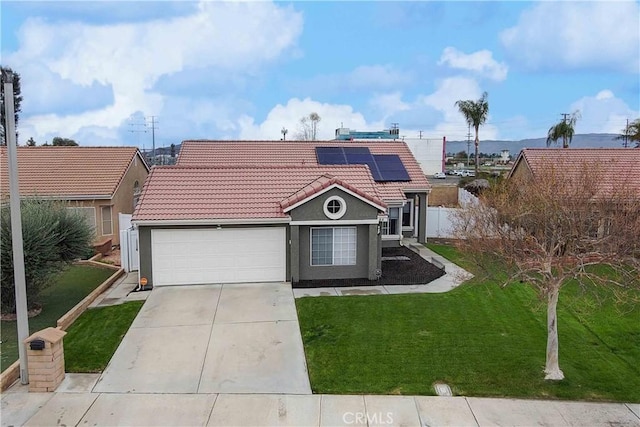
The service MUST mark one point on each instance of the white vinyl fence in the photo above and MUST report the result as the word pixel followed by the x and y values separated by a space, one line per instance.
pixel 440 219
pixel 129 257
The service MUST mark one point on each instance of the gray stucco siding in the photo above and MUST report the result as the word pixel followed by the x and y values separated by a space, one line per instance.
pixel 316 272
pixel 313 210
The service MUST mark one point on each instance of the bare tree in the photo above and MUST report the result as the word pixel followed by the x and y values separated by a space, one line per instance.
pixel 308 127
pixel 563 226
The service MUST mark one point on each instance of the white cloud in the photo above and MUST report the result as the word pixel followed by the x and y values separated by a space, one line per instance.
pixel 434 114
pixel 131 57
pixel 480 62
pixel 388 103
pixel 288 116
pixel 602 113
pixel 573 35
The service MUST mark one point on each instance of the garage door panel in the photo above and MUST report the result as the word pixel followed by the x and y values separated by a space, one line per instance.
pixel 237 255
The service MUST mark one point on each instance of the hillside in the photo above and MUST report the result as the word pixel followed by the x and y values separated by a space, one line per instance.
pixel 591 140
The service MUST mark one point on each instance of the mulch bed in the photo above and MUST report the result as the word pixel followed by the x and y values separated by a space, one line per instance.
pixel 415 271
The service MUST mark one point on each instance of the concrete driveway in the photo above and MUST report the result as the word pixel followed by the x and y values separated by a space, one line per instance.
pixel 212 339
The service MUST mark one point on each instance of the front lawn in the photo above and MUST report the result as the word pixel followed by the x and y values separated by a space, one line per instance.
pixel 479 339
pixel 95 335
pixel 68 289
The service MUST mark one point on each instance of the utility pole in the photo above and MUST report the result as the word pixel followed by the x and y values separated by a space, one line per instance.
pixel 16 229
pixel 626 135
pixel 564 117
pixel 138 128
pixel 468 144
pixel 419 134
pixel 153 140
pixel 145 125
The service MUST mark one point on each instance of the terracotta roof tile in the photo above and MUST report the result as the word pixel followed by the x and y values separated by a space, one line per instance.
pixel 320 184
pixel 299 153
pixel 67 172
pixel 620 167
pixel 231 192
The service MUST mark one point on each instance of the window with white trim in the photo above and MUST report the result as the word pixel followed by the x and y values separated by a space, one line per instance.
pixel 107 223
pixel 335 207
pixel 333 246
pixel 407 215
pixel 391 227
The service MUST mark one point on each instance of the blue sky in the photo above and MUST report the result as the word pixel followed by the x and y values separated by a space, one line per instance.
pixel 218 70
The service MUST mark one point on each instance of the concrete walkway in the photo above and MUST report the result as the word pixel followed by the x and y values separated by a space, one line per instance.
pixel 211 339
pixel 75 404
pixel 454 276
pixel 121 292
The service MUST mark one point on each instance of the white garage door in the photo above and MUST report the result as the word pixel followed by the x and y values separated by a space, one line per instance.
pixel 228 255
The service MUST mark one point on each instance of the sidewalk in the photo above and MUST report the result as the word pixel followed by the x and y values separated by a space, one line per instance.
pixel 74 404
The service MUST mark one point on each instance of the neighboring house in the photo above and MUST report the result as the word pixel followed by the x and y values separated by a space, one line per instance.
pixel 247 211
pixel 616 168
pixel 99 182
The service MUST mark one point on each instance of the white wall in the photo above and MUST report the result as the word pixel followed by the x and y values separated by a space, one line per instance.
pixel 428 152
pixel 439 222
pixel 439 219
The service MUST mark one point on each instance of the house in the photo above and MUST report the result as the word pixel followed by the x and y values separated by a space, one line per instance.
pixel 617 167
pixel 246 211
pixel 99 182
pixel 614 174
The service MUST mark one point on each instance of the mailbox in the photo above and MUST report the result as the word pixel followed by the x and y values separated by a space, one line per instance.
pixel 37 344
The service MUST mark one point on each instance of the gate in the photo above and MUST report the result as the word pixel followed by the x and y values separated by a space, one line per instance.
pixel 129 258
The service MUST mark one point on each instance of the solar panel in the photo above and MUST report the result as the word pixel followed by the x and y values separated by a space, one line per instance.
pixel 330 156
pixel 362 156
pixel 383 167
pixel 391 168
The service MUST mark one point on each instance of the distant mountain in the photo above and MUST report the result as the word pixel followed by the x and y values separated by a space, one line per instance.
pixel 590 140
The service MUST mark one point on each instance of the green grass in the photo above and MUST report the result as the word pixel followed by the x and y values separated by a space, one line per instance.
pixel 480 339
pixel 68 289
pixel 95 335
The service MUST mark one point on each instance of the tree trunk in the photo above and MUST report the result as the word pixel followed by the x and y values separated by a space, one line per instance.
pixel 477 143
pixel 552 368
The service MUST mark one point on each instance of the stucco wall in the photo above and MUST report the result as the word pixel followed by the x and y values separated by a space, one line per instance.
pixel 312 272
pixel 123 197
pixel 122 201
pixel 313 209
pixel 367 246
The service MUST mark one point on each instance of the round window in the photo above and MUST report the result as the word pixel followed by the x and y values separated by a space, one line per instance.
pixel 335 207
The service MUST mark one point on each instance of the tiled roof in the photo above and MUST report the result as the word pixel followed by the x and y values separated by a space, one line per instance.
pixel 67 172
pixel 619 167
pixel 299 153
pixel 230 192
pixel 326 181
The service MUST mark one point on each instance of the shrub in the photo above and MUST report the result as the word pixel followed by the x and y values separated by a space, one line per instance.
pixel 52 237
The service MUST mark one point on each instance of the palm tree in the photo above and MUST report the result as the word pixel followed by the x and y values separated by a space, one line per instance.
pixel 475 113
pixel 631 133
pixel 564 129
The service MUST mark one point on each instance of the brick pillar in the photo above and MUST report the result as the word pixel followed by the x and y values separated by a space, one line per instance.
pixel 46 366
